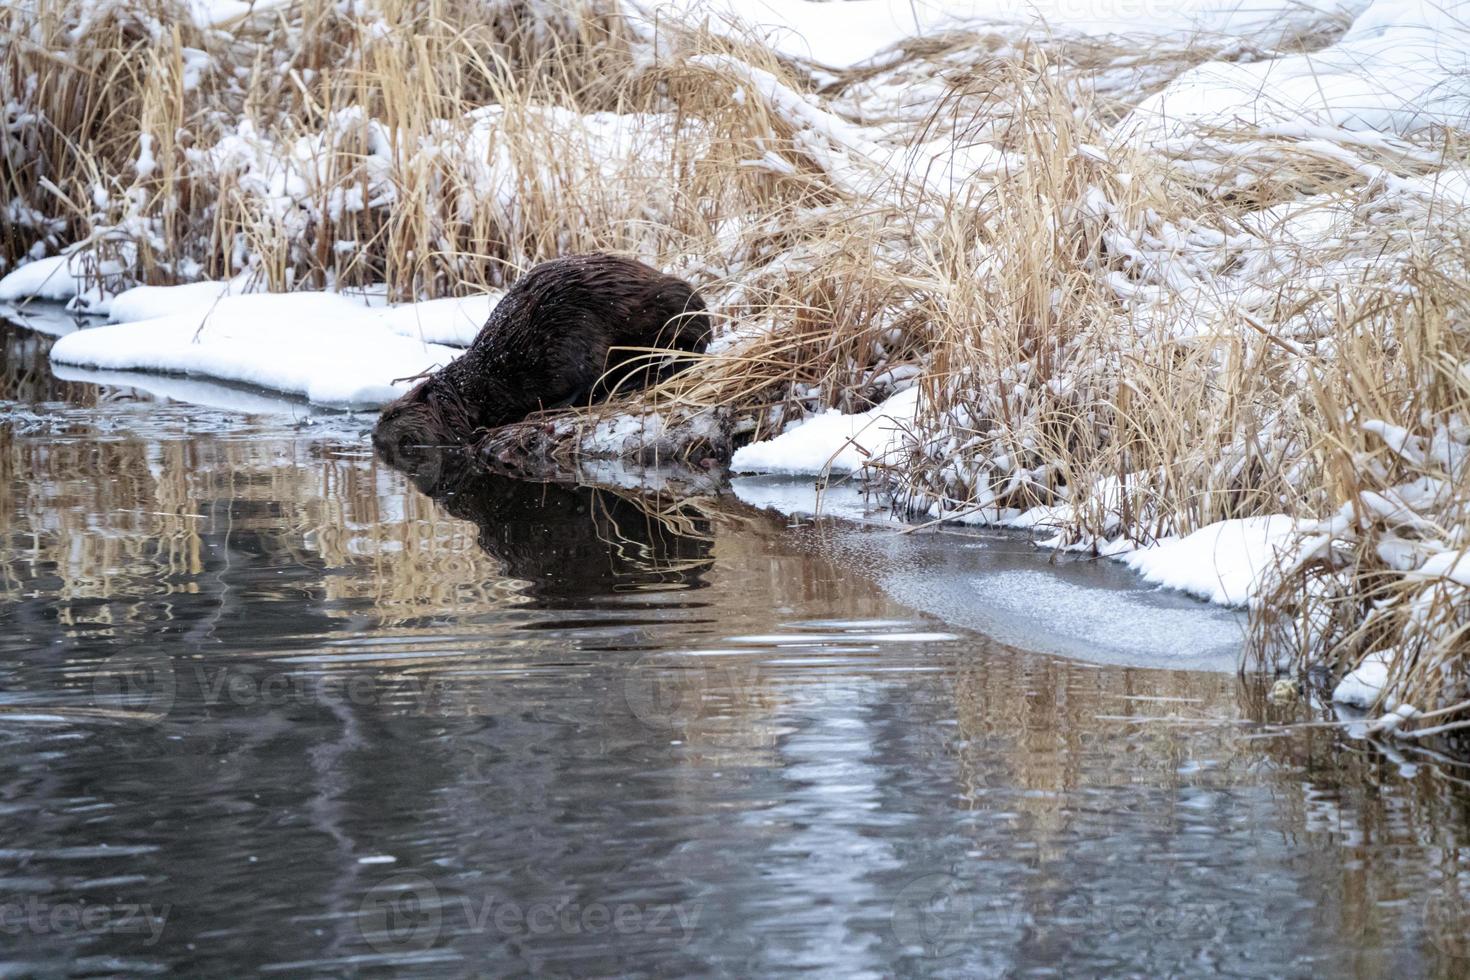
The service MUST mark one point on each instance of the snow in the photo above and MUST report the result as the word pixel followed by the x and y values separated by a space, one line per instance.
pixel 1361 686
pixel 328 348
pixel 57 277
pixel 454 321
pixel 209 13
pixel 1451 565
pixel 832 442
pixel 1224 562
pixel 1404 65
pixel 150 302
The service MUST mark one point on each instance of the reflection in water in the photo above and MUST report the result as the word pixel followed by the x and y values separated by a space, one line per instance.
pixel 567 541
pixel 265 707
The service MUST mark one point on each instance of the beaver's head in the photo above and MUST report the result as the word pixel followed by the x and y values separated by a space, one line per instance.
pixel 416 429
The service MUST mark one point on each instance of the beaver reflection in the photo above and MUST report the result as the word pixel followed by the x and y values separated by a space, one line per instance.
pixel 570 541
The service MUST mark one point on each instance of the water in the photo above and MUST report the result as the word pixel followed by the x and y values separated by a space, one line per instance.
pixel 265 708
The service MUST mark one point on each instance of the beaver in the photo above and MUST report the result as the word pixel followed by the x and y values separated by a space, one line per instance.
pixel 549 343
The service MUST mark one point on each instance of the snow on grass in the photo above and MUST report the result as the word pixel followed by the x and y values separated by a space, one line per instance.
pixel 325 347
pixel 209 13
pixel 865 28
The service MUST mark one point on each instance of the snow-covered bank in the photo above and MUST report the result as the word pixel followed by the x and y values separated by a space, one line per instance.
pixel 1225 562
pixel 1401 67
pixel 56 277
pixel 325 347
pixel 339 349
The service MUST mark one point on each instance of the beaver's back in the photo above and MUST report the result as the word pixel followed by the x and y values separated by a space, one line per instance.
pixel 572 330
pixel 620 301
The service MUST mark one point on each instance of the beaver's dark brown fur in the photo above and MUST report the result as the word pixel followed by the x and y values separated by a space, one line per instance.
pixel 548 343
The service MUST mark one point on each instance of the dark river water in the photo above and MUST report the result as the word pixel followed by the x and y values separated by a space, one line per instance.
pixel 265 708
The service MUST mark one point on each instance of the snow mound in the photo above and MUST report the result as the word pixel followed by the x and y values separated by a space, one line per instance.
pixel 326 347
pixel 58 277
pixel 454 322
pixel 1362 685
pixel 1224 562
pixel 832 442
pixel 150 302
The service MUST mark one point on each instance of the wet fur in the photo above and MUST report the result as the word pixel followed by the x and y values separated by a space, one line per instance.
pixel 546 344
